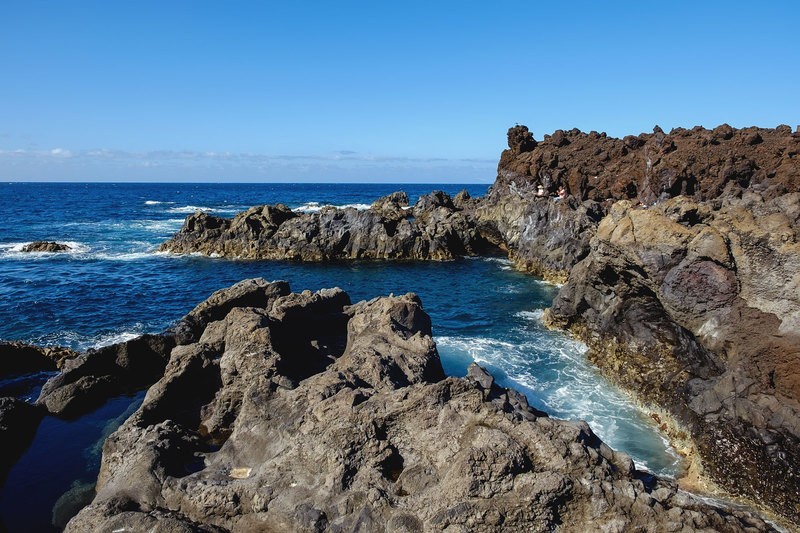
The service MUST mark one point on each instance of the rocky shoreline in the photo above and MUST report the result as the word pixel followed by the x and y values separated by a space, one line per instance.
pixel 687 297
pixel 273 411
pixel 680 265
pixel 679 254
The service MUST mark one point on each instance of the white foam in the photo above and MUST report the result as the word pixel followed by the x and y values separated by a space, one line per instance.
pixel 81 341
pixel 316 207
pixel 133 251
pixel 129 256
pixel 190 209
pixel 535 315
pixel 552 369
pixel 230 210
pixel 170 225
pixel 115 338
pixel 156 202
pixel 14 250
pixel 502 260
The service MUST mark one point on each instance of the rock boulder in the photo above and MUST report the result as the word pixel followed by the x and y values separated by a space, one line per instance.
pixel 310 414
pixel 46 246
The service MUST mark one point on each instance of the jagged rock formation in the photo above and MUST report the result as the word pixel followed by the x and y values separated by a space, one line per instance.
pixel 93 377
pixel 46 246
pixel 433 229
pixel 696 306
pixel 652 166
pixel 548 237
pixel 19 358
pixel 306 413
pixel 680 254
pixel 692 302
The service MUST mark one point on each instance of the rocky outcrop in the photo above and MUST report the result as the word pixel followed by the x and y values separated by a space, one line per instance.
pixel 46 246
pixel 19 358
pixel 691 303
pixel 696 307
pixel 18 423
pixel 542 235
pixel 434 229
pixel 654 166
pixel 680 256
pixel 310 414
pixel 548 236
pixel 91 378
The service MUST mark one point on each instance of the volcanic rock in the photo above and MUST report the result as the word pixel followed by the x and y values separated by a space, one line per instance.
pixel 90 379
pixel 46 246
pixel 18 423
pixel 18 358
pixel 680 255
pixel 597 170
pixel 696 307
pixel 310 414
pixel 96 375
pixel 435 230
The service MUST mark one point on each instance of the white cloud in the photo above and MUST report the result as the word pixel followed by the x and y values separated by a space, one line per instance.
pixel 188 165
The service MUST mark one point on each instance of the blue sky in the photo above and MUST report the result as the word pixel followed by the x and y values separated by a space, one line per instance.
pixel 368 91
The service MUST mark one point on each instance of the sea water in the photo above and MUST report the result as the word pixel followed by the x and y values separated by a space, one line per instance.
pixel 112 286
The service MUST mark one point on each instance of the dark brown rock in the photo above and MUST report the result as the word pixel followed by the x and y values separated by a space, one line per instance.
pixel 649 167
pixel 520 140
pixel 18 358
pixel 46 246
pixel 18 423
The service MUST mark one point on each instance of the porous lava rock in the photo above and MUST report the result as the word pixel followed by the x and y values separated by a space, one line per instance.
pixel 311 414
pixel 696 307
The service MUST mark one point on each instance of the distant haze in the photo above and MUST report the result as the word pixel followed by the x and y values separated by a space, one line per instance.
pixel 368 91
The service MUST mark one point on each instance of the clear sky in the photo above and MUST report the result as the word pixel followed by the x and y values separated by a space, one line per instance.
pixel 368 91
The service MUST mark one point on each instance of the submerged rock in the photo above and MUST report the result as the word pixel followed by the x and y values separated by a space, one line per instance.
pixel 46 246
pixel 309 414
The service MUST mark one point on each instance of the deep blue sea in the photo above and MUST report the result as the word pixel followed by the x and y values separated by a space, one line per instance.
pixel 112 287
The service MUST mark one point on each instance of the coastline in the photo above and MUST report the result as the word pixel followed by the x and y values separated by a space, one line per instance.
pixel 642 288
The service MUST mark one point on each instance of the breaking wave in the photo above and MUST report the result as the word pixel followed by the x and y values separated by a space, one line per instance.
pixel 316 207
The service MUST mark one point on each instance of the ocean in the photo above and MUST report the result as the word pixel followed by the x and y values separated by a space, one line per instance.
pixel 112 286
